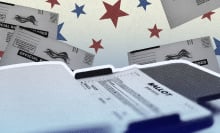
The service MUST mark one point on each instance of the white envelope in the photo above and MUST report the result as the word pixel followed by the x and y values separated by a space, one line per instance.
pixel 181 11
pixel 26 46
pixel 198 51
pixel 39 21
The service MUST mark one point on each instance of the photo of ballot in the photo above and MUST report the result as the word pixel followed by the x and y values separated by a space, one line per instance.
pixel 138 96
pixel 179 12
pixel 39 21
pixel 26 46
pixel 199 51
pixel 110 66
pixel 63 103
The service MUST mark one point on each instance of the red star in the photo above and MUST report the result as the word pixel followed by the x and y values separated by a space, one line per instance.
pixel 155 31
pixel 53 2
pixel 1 53
pixel 113 12
pixel 96 45
pixel 208 15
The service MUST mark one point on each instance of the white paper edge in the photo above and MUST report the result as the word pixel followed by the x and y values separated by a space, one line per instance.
pixel 14 66
pixel 150 66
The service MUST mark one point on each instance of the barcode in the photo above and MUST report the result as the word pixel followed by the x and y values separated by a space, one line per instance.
pixel 206 43
pixel 54 18
pixel 199 2
pixel 88 59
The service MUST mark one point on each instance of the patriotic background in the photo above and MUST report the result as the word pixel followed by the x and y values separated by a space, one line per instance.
pixel 86 24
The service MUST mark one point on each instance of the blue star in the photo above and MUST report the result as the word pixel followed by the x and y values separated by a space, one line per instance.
pixel 79 10
pixel 144 4
pixel 59 35
pixel 217 43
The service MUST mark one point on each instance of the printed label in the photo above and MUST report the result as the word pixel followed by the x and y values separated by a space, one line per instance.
pixel 201 62
pixel 30 56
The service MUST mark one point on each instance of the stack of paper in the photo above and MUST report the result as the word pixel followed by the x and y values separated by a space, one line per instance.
pixel 38 21
pixel 35 39
pixel 26 46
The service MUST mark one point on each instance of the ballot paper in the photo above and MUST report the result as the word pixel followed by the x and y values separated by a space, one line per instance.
pixel 62 103
pixel 38 21
pixel 198 51
pixel 181 11
pixel 26 46
pixel 138 92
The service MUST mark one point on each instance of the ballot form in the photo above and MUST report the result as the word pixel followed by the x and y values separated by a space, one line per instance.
pixel 138 93
pixel 58 101
pixel 38 21
pixel 26 46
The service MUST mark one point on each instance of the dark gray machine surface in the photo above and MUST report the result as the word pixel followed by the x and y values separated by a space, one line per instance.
pixel 191 82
